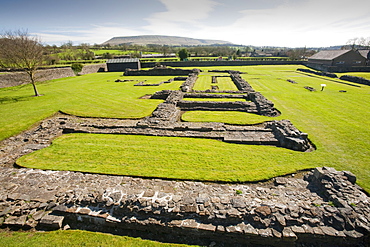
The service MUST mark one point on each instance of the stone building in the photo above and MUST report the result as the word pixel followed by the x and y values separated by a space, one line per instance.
pixel 120 65
pixel 345 58
pixel 366 55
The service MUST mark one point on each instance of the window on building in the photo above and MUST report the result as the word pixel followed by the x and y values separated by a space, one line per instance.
pixel 341 62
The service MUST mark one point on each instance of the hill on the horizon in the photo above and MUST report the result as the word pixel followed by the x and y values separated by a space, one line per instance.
pixel 163 40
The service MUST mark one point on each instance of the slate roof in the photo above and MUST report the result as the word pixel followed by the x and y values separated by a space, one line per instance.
pixel 328 54
pixel 123 60
pixel 364 53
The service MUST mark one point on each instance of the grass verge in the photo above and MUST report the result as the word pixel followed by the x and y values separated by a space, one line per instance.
pixel 74 238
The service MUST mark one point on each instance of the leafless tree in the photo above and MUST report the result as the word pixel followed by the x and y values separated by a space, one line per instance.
pixel 21 51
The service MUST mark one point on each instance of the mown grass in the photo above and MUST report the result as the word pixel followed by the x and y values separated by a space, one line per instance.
pixel 337 123
pixel 170 157
pixel 204 82
pixel 94 95
pixel 73 238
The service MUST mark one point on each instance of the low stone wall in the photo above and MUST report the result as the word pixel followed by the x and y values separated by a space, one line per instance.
pixel 289 136
pixel 158 71
pixel 355 79
pixel 188 85
pixel 320 73
pixel 19 78
pixel 93 68
pixel 12 79
pixel 264 106
pixel 187 105
pixel 220 63
pixel 287 211
pixel 240 83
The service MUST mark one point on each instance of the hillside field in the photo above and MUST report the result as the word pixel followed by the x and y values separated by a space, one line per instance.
pixel 336 122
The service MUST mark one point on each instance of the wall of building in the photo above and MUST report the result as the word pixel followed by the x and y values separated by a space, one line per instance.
pixel 351 58
pixel 121 67
pixel 337 69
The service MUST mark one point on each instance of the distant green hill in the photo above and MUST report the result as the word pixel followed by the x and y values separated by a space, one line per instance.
pixel 163 40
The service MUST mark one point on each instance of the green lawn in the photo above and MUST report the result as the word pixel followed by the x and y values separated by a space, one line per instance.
pixel 94 95
pixel 204 82
pixel 73 238
pixel 337 123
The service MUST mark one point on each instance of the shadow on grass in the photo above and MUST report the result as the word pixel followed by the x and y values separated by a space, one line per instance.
pixel 8 100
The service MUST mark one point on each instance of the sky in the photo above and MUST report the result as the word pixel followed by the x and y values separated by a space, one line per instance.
pixel 285 23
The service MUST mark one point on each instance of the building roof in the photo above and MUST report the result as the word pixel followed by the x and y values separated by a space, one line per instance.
pixel 123 60
pixel 364 53
pixel 328 54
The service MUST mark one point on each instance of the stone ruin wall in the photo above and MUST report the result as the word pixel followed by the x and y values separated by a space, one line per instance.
pixel 324 208
pixel 11 79
pixel 158 71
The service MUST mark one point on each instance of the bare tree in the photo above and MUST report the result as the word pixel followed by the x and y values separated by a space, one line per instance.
pixel 21 51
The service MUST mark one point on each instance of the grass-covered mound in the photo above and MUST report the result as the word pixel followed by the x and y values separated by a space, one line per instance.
pixel 336 122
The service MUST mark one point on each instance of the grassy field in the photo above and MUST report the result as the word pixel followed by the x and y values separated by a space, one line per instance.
pixel 73 238
pixel 337 123
pixel 204 82
pixel 94 95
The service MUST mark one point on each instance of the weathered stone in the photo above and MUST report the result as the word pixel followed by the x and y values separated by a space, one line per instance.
pixel 15 221
pixel 238 202
pixel 250 230
pixel 190 223
pixel 84 211
pixel 207 227
pixel 234 229
pixel 51 222
pixel 263 210
pixel 289 234
pixel 280 181
pixel 5 211
pixel 189 208
pixel 279 218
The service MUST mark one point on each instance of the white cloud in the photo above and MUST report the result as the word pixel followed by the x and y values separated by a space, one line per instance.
pixel 292 23
pixel 96 34
pixel 180 16
pixel 312 22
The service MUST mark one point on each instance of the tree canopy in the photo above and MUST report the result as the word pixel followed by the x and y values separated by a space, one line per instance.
pixel 183 54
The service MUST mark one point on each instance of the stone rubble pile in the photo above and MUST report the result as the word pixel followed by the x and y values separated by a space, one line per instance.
pixel 287 211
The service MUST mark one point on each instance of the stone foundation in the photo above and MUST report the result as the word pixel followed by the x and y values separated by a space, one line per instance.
pixel 286 211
